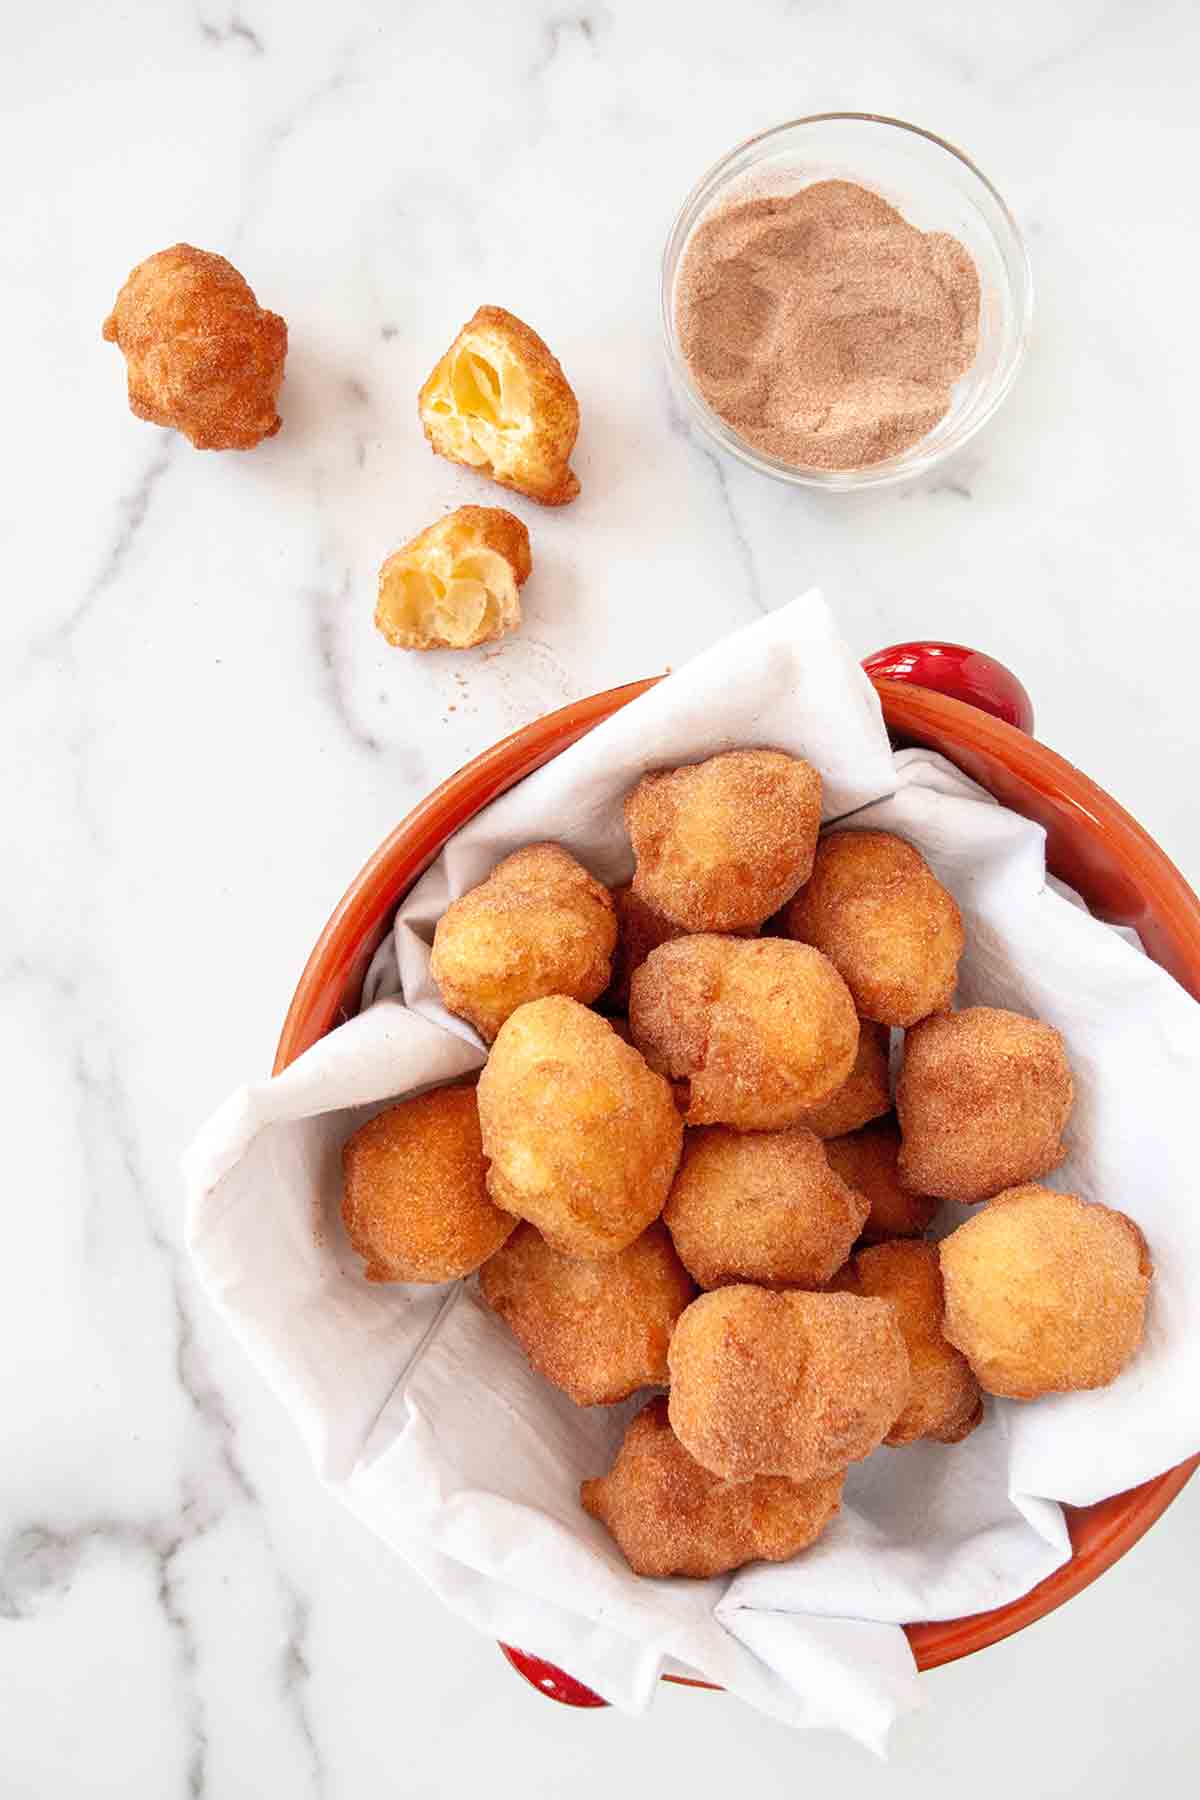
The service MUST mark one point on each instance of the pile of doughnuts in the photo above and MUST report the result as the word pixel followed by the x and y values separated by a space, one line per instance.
pixel 684 1165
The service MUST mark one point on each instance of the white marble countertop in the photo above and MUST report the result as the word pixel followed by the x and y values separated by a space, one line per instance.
pixel 204 738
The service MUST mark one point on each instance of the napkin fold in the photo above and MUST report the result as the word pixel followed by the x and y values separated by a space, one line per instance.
pixel 419 1409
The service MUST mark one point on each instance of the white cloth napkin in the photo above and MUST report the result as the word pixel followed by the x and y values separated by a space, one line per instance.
pixel 417 1405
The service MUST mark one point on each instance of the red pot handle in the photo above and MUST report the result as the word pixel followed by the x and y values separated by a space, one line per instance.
pixel 551 1682
pixel 961 673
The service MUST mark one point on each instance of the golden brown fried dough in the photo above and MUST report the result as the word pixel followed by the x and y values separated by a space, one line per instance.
pixel 944 1402
pixel 538 925
pixel 583 1138
pixel 761 1029
pixel 680 1090
pixel 760 1206
pixel 201 354
pixel 456 583
pixel 788 1384
pixel 721 844
pixel 866 1092
pixel 876 909
pixel 414 1196
pixel 1045 1292
pixel 640 929
pixel 596 1326
pixel 983 1096
pixel 867 1160
pixel 671 1517
pixel 499 402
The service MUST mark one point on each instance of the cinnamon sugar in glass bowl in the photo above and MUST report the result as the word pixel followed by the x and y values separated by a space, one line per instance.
pixel 936 188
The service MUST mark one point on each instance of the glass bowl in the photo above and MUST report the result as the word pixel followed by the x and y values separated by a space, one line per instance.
pixel 936 188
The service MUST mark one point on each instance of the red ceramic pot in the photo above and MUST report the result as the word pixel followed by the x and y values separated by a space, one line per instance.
pixel 975 712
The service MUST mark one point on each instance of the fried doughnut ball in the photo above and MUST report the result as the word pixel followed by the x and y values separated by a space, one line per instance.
pixel 414 1196
pixel 538 925
pixel 596 1326
pixel 788 1384
pixel 944 1402
pixel 866 1092
pixel 762 1029
pixel 669 1516
pixel 721 844
pixel 455 584
pixel 201 354
pixel 640 929
pixel 583 1138
pixel 499 402
pixel 1045 1292
pixel 680 1090
pixel 760 1206
pixel 876 909
pixel 983 1096
pixel 867 1160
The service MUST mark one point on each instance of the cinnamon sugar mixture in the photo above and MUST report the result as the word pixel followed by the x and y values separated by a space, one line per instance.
pixel 822 326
